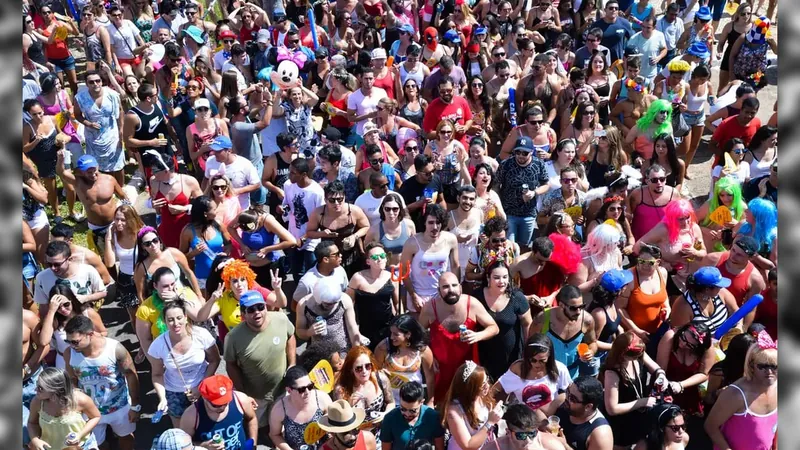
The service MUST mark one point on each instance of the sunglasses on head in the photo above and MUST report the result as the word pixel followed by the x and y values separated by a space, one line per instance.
pixel 303 389
pixel 256 308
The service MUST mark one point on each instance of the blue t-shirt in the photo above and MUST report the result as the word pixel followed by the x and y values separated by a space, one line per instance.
pixel 396 430
pixel 615 36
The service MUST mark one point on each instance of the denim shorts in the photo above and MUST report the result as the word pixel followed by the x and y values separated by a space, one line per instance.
pixel 694 119
pixel 63 65
pixel 177 403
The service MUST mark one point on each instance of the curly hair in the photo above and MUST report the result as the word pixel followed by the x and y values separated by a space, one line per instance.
pixel 238 269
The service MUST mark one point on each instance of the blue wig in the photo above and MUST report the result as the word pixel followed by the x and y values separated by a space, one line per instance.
pixel 765 229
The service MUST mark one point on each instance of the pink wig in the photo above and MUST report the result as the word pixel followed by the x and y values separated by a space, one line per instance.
pixel 674 210
pixel 566 254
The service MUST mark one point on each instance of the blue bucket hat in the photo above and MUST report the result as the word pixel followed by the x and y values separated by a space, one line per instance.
pixel 699 49
pixel 704 13
pixel 195 33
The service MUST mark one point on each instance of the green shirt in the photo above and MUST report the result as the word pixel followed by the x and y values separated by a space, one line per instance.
pixel 261 356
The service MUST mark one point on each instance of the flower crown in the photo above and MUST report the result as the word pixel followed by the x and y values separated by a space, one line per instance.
pixel 632 84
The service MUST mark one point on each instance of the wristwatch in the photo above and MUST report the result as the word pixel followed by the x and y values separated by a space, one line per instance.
pixel 136 408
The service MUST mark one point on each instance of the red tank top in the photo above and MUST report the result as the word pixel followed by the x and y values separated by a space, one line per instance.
pixel 171 225
pixel 740 283
pixel 689 400
pixel 450 351
pixel 386 83
pixel 767 314
pixel 545 282
pixel 306 39
pixel 339 121
pixel 248 34
pixel 56 50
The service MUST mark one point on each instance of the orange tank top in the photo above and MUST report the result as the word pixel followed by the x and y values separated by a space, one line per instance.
pixel 644 309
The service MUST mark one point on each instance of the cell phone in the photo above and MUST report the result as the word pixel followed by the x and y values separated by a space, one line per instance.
pixel 157 416
pixel 600 133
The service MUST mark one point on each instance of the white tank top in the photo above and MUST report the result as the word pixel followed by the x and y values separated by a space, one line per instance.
pixel 126 258
pixel 100 378
pixel 417 75
pixel 426 268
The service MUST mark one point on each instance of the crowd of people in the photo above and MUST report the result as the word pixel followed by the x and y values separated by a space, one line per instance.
pixel 461 224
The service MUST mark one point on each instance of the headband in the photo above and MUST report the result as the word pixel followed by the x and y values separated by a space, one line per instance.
pixel 765 341
pixel 471 366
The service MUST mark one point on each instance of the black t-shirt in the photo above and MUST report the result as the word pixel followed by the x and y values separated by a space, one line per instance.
pixel 412 190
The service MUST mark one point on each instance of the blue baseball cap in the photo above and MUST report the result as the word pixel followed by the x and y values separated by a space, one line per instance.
pixel 86 162
pixel 220 142
pixel 195 33
pixel 251 298
pixel 615 279
pixel 452 36
pixel 407 27
pixel 524 143
pixel 710 276
pixel 480 30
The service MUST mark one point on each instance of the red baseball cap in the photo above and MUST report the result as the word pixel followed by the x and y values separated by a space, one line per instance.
pixel 227 34
pixel 217 389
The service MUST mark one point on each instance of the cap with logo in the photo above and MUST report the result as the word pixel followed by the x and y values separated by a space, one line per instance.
pixel 217 389
pixel 250 298
pixel 86 162
pixel 524 143
pixel 220 143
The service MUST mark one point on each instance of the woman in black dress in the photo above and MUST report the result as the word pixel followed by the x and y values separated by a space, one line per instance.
pixel 375 295
pixel 509 308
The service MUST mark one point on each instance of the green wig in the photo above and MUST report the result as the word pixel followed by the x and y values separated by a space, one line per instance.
pixel 649 117
pixel 732 187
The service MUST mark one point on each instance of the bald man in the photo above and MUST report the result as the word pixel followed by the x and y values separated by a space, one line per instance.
pixel 451 309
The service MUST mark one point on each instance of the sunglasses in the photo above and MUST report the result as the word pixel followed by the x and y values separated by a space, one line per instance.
pixel 477 85
pixel 55 265
pixel 376 161
pixel 409 410
pixel 526 435
pixel 94 81
pixel 116 15
pixel 256 308
pixel 574 308
pixel 766 367
pixel 446 132
pixel 658 180
pixel 336 200
pixel 589 111
pixel 228 41
pixel 497 240
pixel 521 153
pixel 647 262
pixel 220 187
pixel 412 148
pixel 303 389
pixel 535 122
pixel 392 209
pixel 73 342
pixel 202 109
pixel 151 242
pixel 676 428
pixel 569 180
pixel 499 54
pixel 382 186
pixel 377 256
pixel 739 151
pixel 365 368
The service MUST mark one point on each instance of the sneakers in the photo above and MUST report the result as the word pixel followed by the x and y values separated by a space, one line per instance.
pixel 77 217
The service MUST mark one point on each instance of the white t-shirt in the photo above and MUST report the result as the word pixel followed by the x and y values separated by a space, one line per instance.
pixel 123 39
pixel 173 27
pixel 220 59
pixel 536 393
pixel 301 203
pixel 740 175
pixel 309 280
pixel 84 281
pixel 364 105
pixel 241 82
pixel 192 363
pixel 241 172
pixel 370 205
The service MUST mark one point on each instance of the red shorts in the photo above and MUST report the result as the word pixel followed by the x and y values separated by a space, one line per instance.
pixel 130 62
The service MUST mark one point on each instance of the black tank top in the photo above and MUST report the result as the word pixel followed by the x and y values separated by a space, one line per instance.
pixel 150 126
pixel 36 51
pixel 281 175
pixel 578 435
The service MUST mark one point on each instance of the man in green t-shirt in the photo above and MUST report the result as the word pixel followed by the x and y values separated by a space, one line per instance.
pixel 258 351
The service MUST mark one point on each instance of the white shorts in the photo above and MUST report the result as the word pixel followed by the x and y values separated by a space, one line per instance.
pixel 119 423
pixel 39 220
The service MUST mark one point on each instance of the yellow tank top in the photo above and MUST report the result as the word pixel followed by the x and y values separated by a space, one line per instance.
pixel 229 310
pixel 56 429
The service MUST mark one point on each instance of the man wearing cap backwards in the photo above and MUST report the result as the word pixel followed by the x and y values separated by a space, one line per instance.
pixel 736 265
pixel 99 109
pixel 96 191
pixel 521 178
pixel 223 411
pixel 258 351
pixel 342 423
pixel 174 439
pixel 568 325
pixel 386 78
pixel 243 175
pixel 443 316
pixel 146 129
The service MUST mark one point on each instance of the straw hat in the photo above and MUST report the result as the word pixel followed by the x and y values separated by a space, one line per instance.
pixel 341 417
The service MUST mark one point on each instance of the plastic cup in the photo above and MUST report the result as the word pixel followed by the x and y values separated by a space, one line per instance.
pixel 583 349
pixel 553 424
